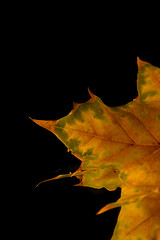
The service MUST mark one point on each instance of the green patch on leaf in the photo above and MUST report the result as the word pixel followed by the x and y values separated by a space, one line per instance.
pixel 141 77
pixel 61 123
pixel 158 116
pixel 147 94
pixel 95 107
pixel 73 143
pixel 123 176
pixel 76 116
pixel 61 133
pixel 89 152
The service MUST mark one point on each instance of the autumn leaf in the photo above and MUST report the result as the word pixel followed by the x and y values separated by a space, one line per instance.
pixel 120 147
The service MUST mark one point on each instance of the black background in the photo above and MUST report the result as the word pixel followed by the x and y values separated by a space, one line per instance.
pixel 58 59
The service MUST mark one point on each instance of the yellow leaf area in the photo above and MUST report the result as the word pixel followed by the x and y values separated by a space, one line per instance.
pixel 120 147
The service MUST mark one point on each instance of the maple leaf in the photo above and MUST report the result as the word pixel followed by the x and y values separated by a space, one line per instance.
pixel 120 147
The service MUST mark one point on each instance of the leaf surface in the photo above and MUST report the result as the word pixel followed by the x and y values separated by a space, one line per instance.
pixel 120 147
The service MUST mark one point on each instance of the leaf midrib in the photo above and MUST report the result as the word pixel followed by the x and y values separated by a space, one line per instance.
pixel 106 139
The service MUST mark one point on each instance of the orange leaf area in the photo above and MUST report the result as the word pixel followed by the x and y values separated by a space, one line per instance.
pixel 120 147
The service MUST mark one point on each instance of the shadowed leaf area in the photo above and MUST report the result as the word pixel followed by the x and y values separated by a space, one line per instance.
pixel 119 147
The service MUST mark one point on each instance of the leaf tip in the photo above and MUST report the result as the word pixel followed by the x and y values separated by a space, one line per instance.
pixel 93 96
pixel 104 209
pixel 47 124
pixel 75 105
pixel 140 63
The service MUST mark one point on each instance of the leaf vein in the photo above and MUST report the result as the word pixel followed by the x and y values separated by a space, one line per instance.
pixel 104 138
pixel 141 124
